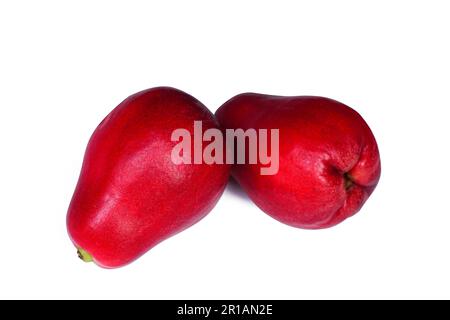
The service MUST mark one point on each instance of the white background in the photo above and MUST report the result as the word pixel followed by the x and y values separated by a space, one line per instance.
pixel 64 66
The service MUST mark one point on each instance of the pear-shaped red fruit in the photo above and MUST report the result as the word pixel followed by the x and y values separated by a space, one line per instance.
pixel 131 195
pixel 328 158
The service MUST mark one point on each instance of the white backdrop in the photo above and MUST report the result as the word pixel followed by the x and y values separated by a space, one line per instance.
pixel 64 66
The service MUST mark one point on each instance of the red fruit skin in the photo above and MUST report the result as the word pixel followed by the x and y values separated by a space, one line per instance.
pixel 322 144
pixel 130 196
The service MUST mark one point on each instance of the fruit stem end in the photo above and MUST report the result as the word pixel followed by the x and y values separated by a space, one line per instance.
pixel 348 181
pixel 84 255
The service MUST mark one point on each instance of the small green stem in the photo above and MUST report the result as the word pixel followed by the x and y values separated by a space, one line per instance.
pixel 84 255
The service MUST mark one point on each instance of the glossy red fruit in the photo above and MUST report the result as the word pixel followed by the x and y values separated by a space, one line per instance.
pixel 130 195
pixel 328 158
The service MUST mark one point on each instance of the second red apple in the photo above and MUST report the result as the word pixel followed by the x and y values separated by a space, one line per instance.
pixel 329 162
